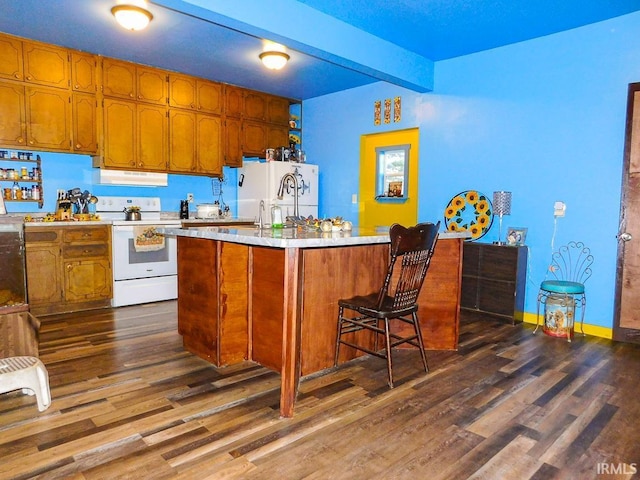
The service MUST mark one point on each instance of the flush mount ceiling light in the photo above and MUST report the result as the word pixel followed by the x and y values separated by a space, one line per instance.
pixel 274 60
pixel 131 17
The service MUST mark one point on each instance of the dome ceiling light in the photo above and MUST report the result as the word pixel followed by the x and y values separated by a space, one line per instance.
pixel 132 17
pixel 274 56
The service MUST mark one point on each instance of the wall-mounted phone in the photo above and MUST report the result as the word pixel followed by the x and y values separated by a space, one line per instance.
pixel 559 209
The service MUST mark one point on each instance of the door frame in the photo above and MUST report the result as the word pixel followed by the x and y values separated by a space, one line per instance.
pixel 621 333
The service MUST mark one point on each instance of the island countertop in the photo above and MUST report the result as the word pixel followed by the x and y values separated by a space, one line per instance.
pixel 292 237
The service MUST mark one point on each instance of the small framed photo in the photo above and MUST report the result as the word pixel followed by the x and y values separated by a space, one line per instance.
pixel 516 236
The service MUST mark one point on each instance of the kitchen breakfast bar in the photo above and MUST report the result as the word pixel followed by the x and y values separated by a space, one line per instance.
pixel 271 296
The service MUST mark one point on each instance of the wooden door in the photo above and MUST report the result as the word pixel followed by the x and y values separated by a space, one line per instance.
pixel 152 127
pixel 119 134
pixel 118 79
pixel 209 97
pixel 278 111
pixel 209 145
pixel 182 141
pixel 84 118
pixel 46 65
pixel 151 85
pixel 182 92
pixel 48 118
pixel 255 106
pixel 12 112
pixel 233 142
pixel 627 304
pixel 254 139
pixel 87 280
pixel 43 267
pixel 83 72
pixel 11 63
pixel 233 101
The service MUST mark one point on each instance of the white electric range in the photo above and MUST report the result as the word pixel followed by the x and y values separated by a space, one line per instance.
pixel 144 262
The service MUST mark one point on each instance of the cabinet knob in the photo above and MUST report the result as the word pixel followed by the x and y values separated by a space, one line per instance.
pixel 29 77
pixel 131 95
pixel 17 75
pixel 78 146
pixel 31 142
pixel 76 86
pixel 21 140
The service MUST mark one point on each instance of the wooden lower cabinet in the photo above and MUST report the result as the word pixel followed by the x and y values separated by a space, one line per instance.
pixel 212 299
pixel 68 268
pixel 494 280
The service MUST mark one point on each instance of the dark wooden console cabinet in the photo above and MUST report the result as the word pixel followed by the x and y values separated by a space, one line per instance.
pixel 494 278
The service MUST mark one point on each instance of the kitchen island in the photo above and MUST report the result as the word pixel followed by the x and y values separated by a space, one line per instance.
pixel 270 296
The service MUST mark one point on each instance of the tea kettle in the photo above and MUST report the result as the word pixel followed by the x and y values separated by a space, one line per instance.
pixel 132 214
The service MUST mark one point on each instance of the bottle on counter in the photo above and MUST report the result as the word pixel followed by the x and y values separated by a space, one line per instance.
pixel 276 216
pixel 16 193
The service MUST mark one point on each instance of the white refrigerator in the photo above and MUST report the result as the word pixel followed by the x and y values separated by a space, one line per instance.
pixel 261 181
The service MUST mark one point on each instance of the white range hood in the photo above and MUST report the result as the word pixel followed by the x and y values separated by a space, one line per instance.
pixel 124 177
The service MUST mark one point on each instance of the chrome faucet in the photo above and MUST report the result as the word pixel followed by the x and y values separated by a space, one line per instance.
pixel 260 210
pixel 286 177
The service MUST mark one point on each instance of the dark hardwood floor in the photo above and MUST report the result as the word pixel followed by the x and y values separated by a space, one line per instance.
pixel 129 402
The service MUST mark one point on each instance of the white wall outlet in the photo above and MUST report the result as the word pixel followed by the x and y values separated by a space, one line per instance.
pixel 559 209
pixel 354 198
pixel 190 197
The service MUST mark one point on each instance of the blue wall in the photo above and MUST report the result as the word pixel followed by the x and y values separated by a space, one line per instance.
pixel 67 171
pixel 544 119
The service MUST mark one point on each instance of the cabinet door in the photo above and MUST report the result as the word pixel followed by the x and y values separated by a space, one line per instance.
pixel 233 101
pixel 118 79
pixel 153 133
pixel 233 142
pixel 255 106
pixel 182 141
pixel 85 133
pixel 209 146
pixel 151 85
pixel 278 111
pixel 43 268
pixel 119 133
pixel 13 119
pixel 277 136
pixel 254 138
pixel 11 63
pixel 48 118
pixel 83 72
pixel 182 92
pixel 87 280
pixel 209 97
pixel 46 65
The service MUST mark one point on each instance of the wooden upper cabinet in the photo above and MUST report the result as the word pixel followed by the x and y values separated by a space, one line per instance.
pixel 182 141
pixel 152 127
pixel 11 63
pixel 209 145
pixel 195 94
pixel 83 72
pixel 84 123
pixel 118 79
pixel 34 62
pixel 278 111
pixel 46 65
pixel 232 142
pixel 277 136
pixel 48 118
pixel 210 98
pixel 14 121
pixel 119 134
pixel 254 138
pixel 133 82
pixel 151 85
pixel 182 91
pixel 233 101
pixel 255 106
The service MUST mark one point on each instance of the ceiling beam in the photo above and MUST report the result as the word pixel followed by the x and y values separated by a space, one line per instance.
pixel 316 34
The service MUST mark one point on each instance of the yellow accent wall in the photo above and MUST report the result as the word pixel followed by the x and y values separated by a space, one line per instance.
pixel 381 214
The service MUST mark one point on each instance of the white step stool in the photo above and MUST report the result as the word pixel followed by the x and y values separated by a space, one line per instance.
pixel 28 374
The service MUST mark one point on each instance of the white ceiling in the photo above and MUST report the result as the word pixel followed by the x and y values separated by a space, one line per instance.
pixel 221 39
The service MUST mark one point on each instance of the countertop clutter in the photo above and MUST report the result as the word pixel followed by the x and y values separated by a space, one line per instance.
pixel 292 237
